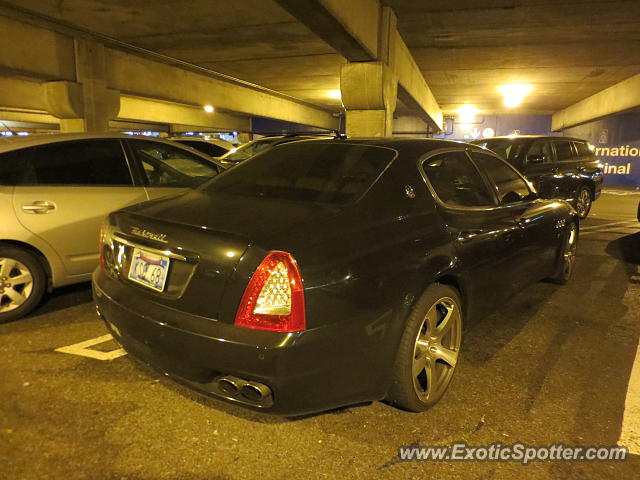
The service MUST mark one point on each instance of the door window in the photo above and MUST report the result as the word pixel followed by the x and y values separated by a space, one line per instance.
pixel 541 149
pixel 167 166
pixel 583 149
pixel 563 150
pixel 81 162
pixel 510 187
pixel 456 182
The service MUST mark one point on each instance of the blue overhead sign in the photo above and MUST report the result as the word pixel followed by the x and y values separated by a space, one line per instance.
pixel 617 145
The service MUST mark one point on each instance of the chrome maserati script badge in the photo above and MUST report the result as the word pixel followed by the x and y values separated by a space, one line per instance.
pixel 141 232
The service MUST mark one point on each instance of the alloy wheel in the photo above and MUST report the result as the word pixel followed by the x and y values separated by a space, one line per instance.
pixel 583 204
pixel 570 251
pixel 16 284
pixel 436 350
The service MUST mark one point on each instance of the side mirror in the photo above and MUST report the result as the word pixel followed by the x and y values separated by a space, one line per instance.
pixel 535 158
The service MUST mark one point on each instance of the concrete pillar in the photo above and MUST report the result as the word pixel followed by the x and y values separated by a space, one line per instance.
pixel 86 105
pixel 369 92
pixel 244 137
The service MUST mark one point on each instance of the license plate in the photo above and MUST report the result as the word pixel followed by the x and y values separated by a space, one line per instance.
pixel 149 269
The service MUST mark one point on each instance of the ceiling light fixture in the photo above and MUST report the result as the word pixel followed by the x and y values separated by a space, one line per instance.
pixel 208 108
pixel 335 93
pixel 467 113
pixel 514 93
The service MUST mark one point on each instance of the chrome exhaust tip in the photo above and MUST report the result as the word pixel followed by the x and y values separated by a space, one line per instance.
pixel 255 392
pixel 229 385
pixel 244 391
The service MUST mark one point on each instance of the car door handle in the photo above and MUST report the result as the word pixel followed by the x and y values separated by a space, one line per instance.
pixel 39 207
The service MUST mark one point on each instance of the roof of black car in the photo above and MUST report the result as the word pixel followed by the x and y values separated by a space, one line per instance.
pixel 529 137
pixel 395 142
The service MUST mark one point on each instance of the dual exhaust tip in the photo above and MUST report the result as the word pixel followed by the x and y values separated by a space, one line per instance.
pixel 245 391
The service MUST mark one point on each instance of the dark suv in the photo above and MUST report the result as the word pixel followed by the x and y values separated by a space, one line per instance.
pixel 559 167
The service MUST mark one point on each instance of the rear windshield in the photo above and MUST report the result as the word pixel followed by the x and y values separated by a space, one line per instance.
pixel 511 150
pixel 248 150
pixel 336 173
pixel 205 147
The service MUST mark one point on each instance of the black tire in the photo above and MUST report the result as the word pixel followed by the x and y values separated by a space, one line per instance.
pixel 418 393
pixel 567 256
pixel 584 200
pixel 23 260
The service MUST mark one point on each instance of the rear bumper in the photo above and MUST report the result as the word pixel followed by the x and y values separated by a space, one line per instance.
pixel 306 372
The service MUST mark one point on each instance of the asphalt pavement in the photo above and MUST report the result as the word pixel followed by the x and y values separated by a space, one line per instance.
pixel 551 366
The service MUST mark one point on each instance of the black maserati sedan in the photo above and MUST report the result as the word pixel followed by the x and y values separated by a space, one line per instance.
pixel 324 273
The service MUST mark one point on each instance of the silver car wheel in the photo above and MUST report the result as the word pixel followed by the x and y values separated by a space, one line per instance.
pixel 436 350
pixel 583 205
pixel 570 251
pixel 16 284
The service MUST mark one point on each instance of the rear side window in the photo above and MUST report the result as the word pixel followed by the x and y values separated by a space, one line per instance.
pixel 205 147
pixel 166 166
pixel 336 173
pixel 456 181
pixel 248 150
pixel 510 186
pixel 582 149
pixel 82 162
pixel 563 150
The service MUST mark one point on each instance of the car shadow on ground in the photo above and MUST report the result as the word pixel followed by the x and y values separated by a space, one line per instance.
pixel 626 248
pixel 64 297
pixel 486 335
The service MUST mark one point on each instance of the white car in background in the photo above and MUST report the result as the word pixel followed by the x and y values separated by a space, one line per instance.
pixel 214 147
pixel 55 190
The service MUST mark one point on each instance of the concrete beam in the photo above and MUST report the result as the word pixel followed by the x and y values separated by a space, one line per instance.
pixel 41 119
pixel 52 52
pixel 154 111
pixel 135 75
pixel 413 90
pixel 364 30
pixel 618 98
pixel 36 52
pixel 351 28
pixel 21 94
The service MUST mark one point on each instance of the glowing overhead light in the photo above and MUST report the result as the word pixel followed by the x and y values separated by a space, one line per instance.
pixel 467 113
pixel 336 94
pixel 208 108
pixel 514 93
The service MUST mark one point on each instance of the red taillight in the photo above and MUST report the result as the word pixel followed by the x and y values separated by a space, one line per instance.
pixel 274 297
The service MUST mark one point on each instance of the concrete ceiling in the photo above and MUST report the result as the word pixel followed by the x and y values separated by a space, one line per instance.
pixel 566 49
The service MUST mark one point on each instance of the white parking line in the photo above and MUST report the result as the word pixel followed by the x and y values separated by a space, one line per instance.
pixel 605 225
pixel 630 434
pixel 82 349
pixel 631 226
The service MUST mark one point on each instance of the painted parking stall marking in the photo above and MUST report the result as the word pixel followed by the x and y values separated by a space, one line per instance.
pixel 82 349
pixel 629 226
pixel 630 434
